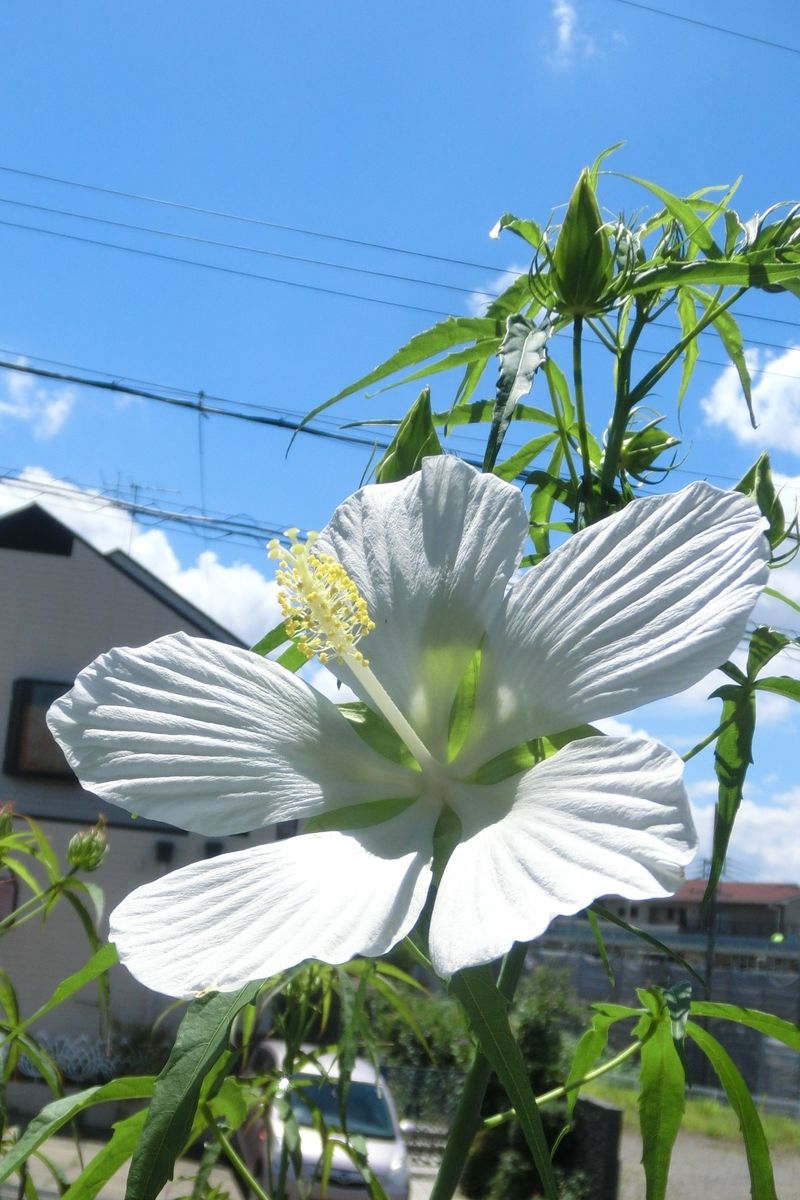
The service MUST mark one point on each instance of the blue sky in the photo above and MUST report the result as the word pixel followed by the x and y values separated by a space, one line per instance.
pixel 413 127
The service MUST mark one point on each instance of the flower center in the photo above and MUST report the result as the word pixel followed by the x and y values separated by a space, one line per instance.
pixel 323 609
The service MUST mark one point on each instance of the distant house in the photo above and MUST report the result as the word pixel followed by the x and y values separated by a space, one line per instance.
pixel 63 603
pixel 743 910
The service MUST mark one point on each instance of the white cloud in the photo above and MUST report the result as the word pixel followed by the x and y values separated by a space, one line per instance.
pixel 237 596
pixel 764 844
pixel 570 41
pixel 616 728
pixel 776 402
pixel 45 408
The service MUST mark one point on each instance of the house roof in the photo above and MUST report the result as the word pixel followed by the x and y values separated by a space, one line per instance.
pixel 739 893
pixel 35 529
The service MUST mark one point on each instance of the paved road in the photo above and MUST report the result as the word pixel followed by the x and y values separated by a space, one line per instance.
pixel 704 1169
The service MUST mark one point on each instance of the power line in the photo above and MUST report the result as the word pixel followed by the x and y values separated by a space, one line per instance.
pixel 192 262
pixel 211 212
pixel 203 241
pixel 238 246
pixel 745 37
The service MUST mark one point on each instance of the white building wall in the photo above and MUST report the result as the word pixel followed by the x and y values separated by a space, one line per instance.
pixel 57 613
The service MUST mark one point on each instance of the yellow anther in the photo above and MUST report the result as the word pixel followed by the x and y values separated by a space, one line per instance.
pixel 323 609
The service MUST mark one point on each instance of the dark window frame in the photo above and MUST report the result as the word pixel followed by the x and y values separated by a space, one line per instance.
pixel 22 694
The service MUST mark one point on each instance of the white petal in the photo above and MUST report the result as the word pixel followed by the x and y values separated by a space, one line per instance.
pixel 242 916
pixel 603 816
pixel 214 739
pixel 432 556
pixel 634 608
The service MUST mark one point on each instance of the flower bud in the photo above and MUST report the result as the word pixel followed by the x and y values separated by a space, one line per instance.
pixel 582 267
pixel 87 850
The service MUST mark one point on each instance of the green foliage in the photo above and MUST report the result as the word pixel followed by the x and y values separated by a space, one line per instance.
pixel 415 439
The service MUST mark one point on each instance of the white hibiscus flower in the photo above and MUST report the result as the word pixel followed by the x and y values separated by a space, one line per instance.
pixel 218 740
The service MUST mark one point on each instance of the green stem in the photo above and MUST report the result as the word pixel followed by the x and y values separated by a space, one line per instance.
pixel 711 738
pixel 559 1092
pixel 233 1157
pixel 622 408
pixel 467 1118
pixel 580 408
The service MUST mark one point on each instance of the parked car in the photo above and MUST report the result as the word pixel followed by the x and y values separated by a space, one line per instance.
pixel 312 1092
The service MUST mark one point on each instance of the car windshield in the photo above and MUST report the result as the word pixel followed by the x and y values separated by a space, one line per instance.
pixel 367 1111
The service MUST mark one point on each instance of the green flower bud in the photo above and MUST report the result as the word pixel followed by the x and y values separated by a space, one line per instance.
pixel 87 850
pixel 582 267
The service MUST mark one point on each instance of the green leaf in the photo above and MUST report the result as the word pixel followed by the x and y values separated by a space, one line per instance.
pixel 476 355
pixel 97 965
pixel 529 231
pixel 762 1182
pixel 608 915
pixel 481 410
pixel 272 640
pixel 678 1000
pixel 765 643
pixel 661 1105
pixel 292 659
pixel 588 1050
pixel 415 439
pixel 463 707
pixel 522 352
pixel 780 685
pixel 731 337
pixel 455 331
pixel 599 942
pixel 59 1112
pixel 780 596
pixel 773 1027
pixel 695 227
pixel 377 733
pixel 202 1038
pixel 733 755
pixel 516 464
pixel 687 315
pixel 656 277
pixel 114 1154
pixel 487 1013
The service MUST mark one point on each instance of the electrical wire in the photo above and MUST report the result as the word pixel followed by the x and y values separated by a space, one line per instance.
pixel 239 246
pixel 211 212
pixel 745 37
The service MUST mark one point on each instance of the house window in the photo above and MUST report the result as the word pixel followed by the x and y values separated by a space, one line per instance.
pixel 30 746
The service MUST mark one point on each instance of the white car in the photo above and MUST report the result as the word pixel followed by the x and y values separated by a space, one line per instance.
pixel 313 1093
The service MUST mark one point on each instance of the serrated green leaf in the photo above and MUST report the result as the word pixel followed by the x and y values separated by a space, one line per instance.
pixel 588 1050
pixel 762 1182
pixel 522 352
pixel 656 277
pixel 202 1038
pixel 773 1027
pixel 292 659
pixel 414 440
pixel 487 1013
pixel 731 337
pixel 661 1106
pixel 59 1112
pixel 695 227
pixel 455 331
